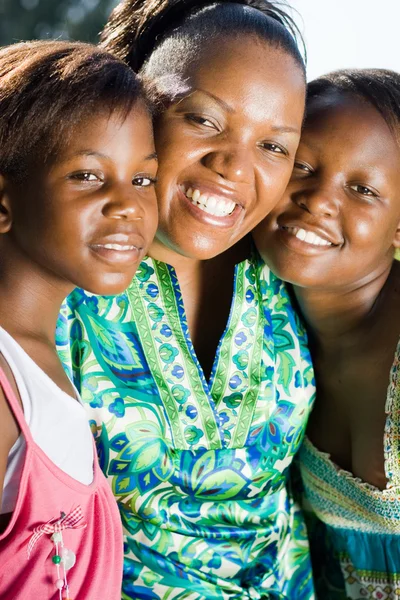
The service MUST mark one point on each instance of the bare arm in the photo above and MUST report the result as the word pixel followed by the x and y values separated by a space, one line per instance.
pixel 9 430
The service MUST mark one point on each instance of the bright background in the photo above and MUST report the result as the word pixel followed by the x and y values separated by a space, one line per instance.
pixel 339 33
pixel 349 33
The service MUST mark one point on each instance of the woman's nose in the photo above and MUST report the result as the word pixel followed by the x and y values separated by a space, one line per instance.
pixel 233 163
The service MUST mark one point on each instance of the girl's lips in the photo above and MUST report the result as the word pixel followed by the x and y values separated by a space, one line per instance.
pixel 300 246
pixel 127 256
pixel 226 221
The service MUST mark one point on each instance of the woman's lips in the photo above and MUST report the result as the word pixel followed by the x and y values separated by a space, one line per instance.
pixel 210 207
pixel 212 203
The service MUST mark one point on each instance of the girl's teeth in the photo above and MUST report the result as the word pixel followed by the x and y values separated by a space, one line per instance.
pixel 118 247
pixel 309 237
pixel 189 193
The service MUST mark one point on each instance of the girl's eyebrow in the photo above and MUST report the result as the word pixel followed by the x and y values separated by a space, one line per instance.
pixel 152 156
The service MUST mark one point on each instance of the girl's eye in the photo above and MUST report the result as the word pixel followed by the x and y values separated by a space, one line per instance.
pixel 85 176
pixel 363 190
pixel 202 121
pixel 275 148
pixel 143 181
pixel 299 166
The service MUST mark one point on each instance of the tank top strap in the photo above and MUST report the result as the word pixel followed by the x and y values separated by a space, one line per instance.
pixel 15 406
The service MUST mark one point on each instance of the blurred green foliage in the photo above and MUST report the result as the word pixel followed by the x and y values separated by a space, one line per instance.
pixel 61 19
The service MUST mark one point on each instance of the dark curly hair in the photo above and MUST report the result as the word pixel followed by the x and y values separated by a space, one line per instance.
pixel 47 88
pixel 161 37
pixel 378 87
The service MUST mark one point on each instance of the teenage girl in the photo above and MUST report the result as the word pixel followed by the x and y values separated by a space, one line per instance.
pixel 77 208
pixel 334 237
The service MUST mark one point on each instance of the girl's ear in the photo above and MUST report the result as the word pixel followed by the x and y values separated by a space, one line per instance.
pixel 5 208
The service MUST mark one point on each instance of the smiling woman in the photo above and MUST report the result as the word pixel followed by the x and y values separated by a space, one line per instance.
pixel 197 378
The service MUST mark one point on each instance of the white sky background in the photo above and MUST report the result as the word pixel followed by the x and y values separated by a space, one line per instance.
pixel 349 33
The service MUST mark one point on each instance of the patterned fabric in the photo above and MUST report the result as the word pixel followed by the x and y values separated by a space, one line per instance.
pixel 199 468
pixel 355 527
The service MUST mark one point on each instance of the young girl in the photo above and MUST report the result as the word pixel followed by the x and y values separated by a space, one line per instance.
pixel 334 237
pixel 196 377
pixel 77 207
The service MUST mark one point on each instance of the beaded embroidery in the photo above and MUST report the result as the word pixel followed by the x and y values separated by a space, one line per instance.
pixel 63 558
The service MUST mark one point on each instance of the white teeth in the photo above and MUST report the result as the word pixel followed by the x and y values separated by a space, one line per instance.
pixel 202 199
pixel 210 204
pixel 309 237
pixel 118 247
pixel 301 234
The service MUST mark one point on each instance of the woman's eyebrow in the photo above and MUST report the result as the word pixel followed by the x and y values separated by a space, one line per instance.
pixel 216 99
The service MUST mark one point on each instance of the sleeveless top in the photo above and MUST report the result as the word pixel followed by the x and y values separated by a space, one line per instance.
pixel 43 402
pixel 199 466
pixel 355 527
pixel 50 500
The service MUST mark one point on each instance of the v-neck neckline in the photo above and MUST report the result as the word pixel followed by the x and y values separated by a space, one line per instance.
pixel 162 327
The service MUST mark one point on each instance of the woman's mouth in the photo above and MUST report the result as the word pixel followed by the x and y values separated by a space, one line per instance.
pixel 211 204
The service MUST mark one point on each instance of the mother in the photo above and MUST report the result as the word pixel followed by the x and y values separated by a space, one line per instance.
pixel 198 396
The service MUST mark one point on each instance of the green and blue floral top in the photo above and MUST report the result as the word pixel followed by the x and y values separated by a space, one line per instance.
pixel 199 468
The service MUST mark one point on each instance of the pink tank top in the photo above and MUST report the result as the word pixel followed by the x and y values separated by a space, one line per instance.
pixel 50 501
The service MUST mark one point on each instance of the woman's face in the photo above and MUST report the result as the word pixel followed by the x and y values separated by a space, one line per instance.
pixel 338 222
pixel 226 148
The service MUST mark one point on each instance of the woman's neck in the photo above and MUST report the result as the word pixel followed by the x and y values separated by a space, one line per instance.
pixel 188 268
pixel 341 316
pixel 206 287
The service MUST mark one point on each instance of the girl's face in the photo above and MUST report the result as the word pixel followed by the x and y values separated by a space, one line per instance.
pixel 226 148
pixel 88 219
pixel 339 220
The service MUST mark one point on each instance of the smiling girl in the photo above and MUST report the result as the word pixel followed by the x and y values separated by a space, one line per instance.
pixel 334 237
pixel 77 207
pixel 196 378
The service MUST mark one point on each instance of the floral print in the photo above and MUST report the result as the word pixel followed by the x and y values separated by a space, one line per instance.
pixel 199 468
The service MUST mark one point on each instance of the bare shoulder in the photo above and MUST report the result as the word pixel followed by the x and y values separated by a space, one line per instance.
pixel 9 430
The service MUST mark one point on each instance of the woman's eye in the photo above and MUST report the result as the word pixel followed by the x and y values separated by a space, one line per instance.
pixel 202 121
pixel 143 181
pixel 275 148
pixel 363 190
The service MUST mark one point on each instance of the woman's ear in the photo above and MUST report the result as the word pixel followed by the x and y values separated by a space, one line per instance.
pixel 5 207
